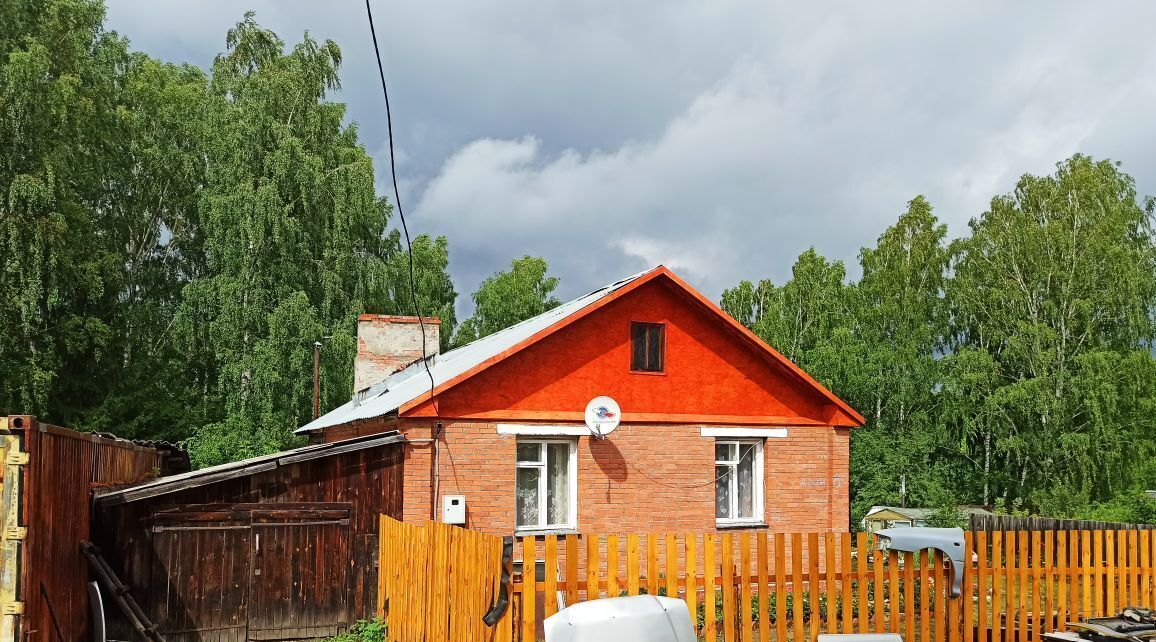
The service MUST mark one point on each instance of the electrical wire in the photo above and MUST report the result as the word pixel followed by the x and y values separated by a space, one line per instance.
pixel 670 482
pixel 409 253
pixel 397 200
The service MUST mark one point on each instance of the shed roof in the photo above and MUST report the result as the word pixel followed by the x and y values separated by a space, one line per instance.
pixel 412 385
pixel 252 466
pixel 920 513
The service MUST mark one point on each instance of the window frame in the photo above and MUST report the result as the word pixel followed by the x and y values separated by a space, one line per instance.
pixel 543 488
pixel 661 346
pixel 758 512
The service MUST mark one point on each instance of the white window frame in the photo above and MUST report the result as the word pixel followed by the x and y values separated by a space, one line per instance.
pixel 760 482
pixel 571 472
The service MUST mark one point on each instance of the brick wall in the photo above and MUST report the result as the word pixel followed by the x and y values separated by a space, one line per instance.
pixel 644 478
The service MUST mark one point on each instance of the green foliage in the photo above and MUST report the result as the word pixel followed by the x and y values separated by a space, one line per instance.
pixel 510 297
pixel 363 631
pixel 174 242
pixel 1010 367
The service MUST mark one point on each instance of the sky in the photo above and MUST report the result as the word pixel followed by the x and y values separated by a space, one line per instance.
pixel 719 138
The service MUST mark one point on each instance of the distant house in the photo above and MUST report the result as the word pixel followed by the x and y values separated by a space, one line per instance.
pixel 718 430
pixel 880 517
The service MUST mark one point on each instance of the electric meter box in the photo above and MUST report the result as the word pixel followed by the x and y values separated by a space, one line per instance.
pixel 454 509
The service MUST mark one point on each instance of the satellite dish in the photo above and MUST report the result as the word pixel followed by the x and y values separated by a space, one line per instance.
pixel 602 416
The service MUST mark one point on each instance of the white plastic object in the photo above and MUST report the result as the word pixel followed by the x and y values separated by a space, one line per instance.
pixel 454 509
pixel 639 618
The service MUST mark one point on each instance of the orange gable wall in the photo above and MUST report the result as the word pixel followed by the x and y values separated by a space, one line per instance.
pixel 712 375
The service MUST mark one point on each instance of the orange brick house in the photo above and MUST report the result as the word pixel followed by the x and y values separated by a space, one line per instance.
pixel 718 430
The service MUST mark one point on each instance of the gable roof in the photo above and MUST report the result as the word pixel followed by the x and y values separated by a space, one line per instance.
pixel 411 386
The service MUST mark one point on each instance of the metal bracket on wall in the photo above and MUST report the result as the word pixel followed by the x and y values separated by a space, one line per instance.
pixel 18 458
pixel 14 608
pixel 16 533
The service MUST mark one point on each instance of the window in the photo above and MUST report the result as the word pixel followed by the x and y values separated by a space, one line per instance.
pixel 546 484
pixel 647 345
pixel 738 471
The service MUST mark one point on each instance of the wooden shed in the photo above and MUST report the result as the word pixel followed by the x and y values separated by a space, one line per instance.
pixel 280 547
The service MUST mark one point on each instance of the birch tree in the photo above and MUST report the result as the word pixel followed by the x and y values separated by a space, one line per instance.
pixel 1051 368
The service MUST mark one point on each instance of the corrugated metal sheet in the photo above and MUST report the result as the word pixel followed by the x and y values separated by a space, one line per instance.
pixel 412 382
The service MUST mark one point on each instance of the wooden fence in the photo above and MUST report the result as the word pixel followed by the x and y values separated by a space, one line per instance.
pixel 436 582
pixel 790 587
pixel 989 523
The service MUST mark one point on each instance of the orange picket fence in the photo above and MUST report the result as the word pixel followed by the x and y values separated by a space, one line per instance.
pixel 437 582
pixel 762 586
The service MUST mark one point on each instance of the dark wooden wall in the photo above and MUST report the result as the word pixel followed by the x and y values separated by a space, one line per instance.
pixel 64 467
pixel 249 551
pixel 991 523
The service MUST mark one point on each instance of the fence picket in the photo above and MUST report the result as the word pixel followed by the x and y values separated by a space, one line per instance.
pixel 728 587
pixel 1023 591
pixel 671 566
pixel 831 586
pixel 761 562
pixel 893 590
pixel 909 595
pixel 745 613
pixel 845 567
pixel 780 544
pixel 797 597
pixel 982 581
pixel 632 566
pixel 862 554
pixel 652 564
pixel 924 597
pixel 814 555
pixel 689 543
pixel 550 589
pixel 592 567
pixel 710 575
pixel 967 595
pixel 612 587
pixel 529 589
pixel 1109 573
pixel 1098 573
pixel 571 569
pixel 1061 570
pixel 1035 620
pixel 941 590
pixel 1145 546
pixel 877 593
pixel 1047 566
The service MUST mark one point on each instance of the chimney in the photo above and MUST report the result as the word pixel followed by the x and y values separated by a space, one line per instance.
pixel 386 344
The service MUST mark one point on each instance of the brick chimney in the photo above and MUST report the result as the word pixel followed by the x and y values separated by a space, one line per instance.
pixel 386 344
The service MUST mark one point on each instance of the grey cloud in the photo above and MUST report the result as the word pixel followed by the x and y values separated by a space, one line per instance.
pixel 722 138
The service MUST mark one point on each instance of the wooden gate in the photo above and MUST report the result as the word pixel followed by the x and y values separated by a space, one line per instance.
pixel 437 582
pixel 243 572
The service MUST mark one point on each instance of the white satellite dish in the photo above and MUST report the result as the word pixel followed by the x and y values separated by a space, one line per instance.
pixel 602 416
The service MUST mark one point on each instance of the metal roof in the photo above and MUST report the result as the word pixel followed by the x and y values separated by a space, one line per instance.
pixel 232 470
pixel 412 382
pixel 923 513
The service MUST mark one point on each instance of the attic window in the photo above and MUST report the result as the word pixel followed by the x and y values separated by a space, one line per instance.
pixel 647 347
